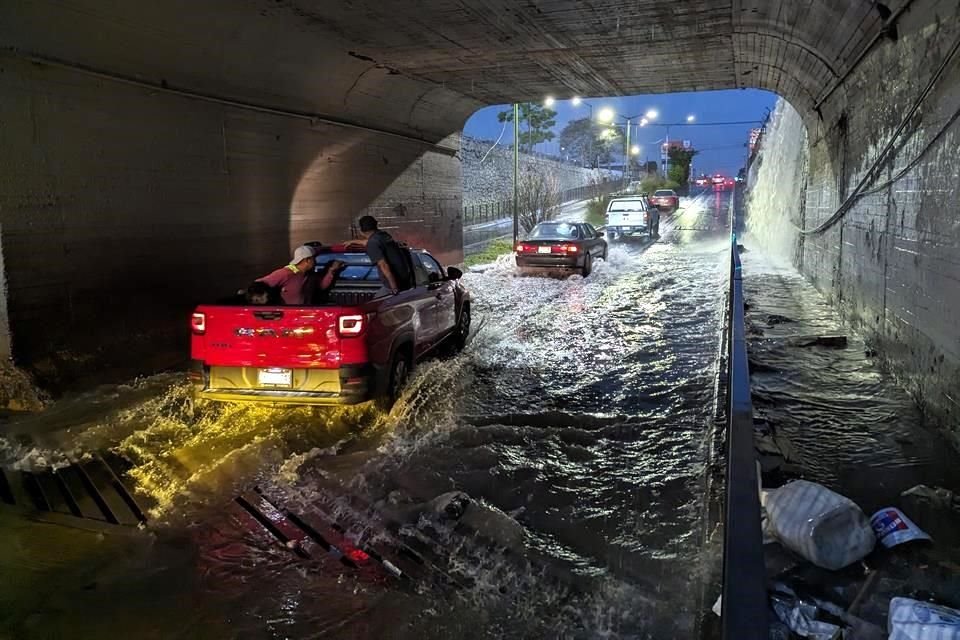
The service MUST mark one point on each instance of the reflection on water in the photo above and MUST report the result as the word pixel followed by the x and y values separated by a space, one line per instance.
pixel 576 416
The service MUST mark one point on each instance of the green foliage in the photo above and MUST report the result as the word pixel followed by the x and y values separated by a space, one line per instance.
pixel 652 183
pixel 676 173
pixel 539 122
pixel 680 160
pixel 492 251
pixel 597 210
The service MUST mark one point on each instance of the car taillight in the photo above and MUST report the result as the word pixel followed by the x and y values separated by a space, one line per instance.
pixel 198 323
pixel 351 325
pixel 566 248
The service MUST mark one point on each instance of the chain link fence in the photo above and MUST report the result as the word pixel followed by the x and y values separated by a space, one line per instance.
pixel 481 212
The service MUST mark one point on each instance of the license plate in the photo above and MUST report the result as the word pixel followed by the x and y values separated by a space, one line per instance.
pixel 275 377
pixel 543 249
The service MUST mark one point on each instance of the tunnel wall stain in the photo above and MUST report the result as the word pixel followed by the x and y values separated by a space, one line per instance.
pixel 122 208
pixel 892 264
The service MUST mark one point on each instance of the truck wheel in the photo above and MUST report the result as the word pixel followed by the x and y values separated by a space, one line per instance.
pixel 399 373
pixel 462 332
pixel 587 265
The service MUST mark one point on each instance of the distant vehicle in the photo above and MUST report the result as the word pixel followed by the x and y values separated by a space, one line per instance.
pixel 631 217
pixel 721 182
pixel 702 182
pixel 665 200
pixel 359 345
pixel 562 245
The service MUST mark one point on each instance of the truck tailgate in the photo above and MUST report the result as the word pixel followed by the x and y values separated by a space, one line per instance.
pixel 266 337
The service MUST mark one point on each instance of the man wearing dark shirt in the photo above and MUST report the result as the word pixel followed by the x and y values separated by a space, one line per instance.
pixel 384 252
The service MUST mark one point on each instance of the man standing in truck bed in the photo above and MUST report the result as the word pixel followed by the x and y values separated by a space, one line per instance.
pixel 384 252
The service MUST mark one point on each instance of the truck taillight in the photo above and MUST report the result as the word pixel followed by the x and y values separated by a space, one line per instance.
pixel 198 323
pixel 351 325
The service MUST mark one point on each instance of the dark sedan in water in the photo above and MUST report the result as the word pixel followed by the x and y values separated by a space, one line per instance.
pixel 562 245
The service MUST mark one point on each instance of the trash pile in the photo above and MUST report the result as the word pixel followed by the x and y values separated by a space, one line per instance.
pixel 830 558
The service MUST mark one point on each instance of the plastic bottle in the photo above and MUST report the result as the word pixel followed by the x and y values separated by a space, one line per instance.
pixel 824 527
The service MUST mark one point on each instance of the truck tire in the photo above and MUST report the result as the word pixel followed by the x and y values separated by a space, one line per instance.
pixel 462 332
pixel 397 377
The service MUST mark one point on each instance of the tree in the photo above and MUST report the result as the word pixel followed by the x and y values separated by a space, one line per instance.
pixel 608 140
pixel 586 140
pixel 539 119
pixel 540 197
pixel 680 160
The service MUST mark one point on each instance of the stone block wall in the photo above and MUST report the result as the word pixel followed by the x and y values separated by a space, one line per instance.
pixel 892 262
pixel 492 179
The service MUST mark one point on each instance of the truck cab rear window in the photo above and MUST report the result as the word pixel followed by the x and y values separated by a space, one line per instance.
pixel 359 267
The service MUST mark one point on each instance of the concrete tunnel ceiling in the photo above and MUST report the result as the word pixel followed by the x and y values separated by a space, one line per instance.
pixel 423 68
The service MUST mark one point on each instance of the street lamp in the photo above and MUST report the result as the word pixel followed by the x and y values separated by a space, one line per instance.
pixel 691 118
pixel 576 100
pixel 651 114
pixel 606 115
pixel 549 101
pixel 635 150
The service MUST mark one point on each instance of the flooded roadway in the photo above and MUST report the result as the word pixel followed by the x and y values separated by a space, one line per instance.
pixel 575 420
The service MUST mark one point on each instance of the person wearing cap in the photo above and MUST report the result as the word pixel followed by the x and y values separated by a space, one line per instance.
pixel 291 279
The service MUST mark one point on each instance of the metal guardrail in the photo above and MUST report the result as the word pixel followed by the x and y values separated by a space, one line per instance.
pixel 744 607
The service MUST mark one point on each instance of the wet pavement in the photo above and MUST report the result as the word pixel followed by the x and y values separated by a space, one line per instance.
pixel 575 420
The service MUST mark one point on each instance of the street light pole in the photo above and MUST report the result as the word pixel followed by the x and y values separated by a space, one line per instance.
pixel 516 172
pixel 626 158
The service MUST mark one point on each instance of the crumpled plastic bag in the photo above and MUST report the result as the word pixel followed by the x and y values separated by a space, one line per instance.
pixel 915 620
pixel 801 617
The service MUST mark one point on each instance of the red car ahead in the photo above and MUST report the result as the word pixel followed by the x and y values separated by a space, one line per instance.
pixel 359 345
pixel 665 200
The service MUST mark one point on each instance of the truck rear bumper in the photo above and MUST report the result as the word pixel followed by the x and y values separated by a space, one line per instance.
pixel 343 386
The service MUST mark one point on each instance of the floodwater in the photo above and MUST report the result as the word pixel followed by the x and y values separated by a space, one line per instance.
pixel 853 428
pixel 576 420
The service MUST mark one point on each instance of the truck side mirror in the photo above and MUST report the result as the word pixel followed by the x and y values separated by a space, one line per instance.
pixel 453 273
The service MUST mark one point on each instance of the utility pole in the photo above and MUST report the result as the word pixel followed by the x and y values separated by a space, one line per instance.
pixel 626 158
pixel 516 173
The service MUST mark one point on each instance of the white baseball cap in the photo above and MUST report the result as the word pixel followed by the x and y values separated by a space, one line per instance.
pixel 302 253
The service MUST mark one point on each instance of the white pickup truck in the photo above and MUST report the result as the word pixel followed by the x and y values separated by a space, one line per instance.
pixel 631 216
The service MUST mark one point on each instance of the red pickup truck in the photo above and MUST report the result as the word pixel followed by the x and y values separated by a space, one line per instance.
pixel 359 345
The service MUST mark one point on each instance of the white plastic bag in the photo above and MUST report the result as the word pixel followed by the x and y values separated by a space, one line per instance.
pixel 824 527
pixel 914 620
